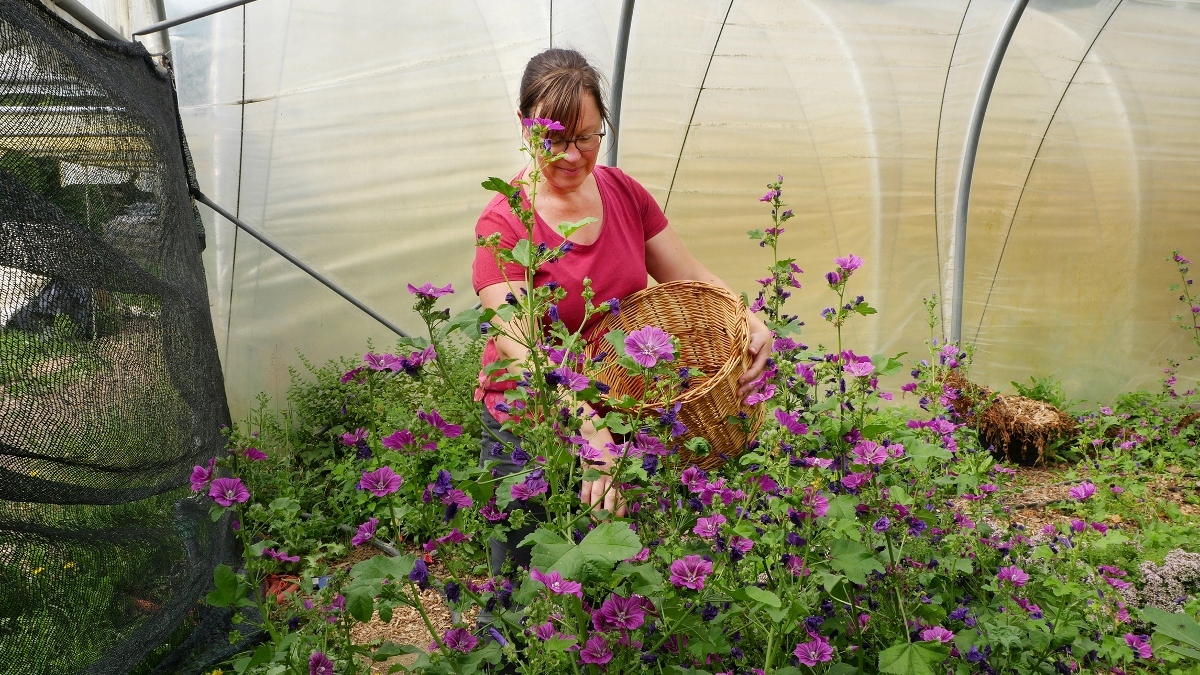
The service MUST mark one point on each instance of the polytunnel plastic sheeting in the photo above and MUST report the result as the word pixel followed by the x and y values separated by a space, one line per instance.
pixel 366 128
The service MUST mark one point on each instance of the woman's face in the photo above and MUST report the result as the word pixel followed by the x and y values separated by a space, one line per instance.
pixel 569 173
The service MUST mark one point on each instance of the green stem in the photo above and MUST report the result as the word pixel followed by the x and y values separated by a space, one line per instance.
pixel 770 651
pixel 425 617
pixel 899 599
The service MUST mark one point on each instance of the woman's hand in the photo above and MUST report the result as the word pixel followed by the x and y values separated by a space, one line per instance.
pixel 597 493
pixel 759 350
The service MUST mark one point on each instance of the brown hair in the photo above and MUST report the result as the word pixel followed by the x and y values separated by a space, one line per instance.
pixel 554 84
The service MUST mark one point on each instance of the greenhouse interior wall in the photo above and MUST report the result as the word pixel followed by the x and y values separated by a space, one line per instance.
pixel 356 135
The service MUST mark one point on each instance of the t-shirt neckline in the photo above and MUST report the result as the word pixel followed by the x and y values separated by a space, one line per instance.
pixel 554 234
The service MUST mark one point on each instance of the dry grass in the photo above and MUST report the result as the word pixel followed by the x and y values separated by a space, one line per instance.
pixel 1019 428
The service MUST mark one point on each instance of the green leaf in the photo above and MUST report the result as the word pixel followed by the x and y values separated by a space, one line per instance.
pixel 389 649
pixel 608 544
pixel 964 565
pixel 616 338
pixel 361 605
pixel 385 613
pixel 757 595
pixel 499 185
pixel 755 234
pixel 567 228
pixel 918 658
pixel 864 309
pixel 227 587
pixel 381 567
pixel 1185 651
pixel 853 559
pixel 1177 626
pixel 923 453
pixel 523 253
pixel 558 644
pixel 840 668
pixel 842 506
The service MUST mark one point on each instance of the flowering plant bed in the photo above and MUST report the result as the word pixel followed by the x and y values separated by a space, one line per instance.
pixel 850 535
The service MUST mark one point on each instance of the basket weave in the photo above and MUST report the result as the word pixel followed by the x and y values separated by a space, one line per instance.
pixel 710 323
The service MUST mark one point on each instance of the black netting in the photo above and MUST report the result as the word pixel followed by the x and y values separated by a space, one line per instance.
pixel 110 387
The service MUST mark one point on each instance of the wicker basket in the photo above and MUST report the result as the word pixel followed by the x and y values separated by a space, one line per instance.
pixel 710 323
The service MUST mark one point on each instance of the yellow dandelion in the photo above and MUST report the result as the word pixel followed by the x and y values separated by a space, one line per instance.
pixel 39 570
pixel 68 566
pixel 33 474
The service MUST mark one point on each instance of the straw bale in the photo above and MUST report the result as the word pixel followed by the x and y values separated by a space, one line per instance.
pixel 1017 428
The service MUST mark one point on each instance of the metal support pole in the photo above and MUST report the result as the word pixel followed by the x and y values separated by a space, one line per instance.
pixel 618 81
pixel 94 23
pixel 968 162
pixel 200 14
pixel 199 196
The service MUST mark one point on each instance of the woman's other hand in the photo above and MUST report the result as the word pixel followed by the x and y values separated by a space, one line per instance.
pixel 597 493
pixel 759 350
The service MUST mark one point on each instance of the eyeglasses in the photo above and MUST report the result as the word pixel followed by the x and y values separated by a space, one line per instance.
pixel 587 143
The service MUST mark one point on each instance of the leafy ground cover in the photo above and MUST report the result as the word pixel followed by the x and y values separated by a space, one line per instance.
pixel 854 534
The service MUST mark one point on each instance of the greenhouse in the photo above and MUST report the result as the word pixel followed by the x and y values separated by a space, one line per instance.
pixel 800 337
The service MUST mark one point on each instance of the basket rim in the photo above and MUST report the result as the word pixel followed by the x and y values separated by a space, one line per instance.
pixel 692 393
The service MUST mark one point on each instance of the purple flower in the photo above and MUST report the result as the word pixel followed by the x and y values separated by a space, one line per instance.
pixel 617 612
pixel 771 195
pixel 856 480
pixel 359 434
pixel 761 396
pixel 614 306
pixel 869 452
pixel 860 368
pixel 1082 491
pixel 381 482
pixel 201 476
pixel 549 124
pixel 384 362
pixel 937 634
pixel 791 422
pixel 254 454
pixel 709 527
pixel 571 379
pixel 433 419
pixel 833 278
pixel 532 486
pixel 848 263
pixel 690 572
pixel 596 651
pixel 459 639
pixel 1013 574
pixel 741 544
pixel 420 573
pixel 491 513
pixel 882 524
pixel 226 491
pixel 319 664
pixel 648 346
pixel 1140 644
pixel 429 291
pixel 351 374
pixel 281 556
pixel 458 498
pixel 399 439
pixel 814 652
pixel 366 532
pixel 556 584
pixel 807 373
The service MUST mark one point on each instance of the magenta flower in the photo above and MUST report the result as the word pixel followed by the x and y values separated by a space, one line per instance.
pixel 856 480
pixel 869 452
pixel 937 634
pixel 807 374
pixel 762 395
pixel 741 544
pixel 848 263
pixel 589 453
pixel 281 556
pixel 384 362
pixel 428 290
pixel 571 379
pixel 549 124
pixel 359 434
pixel 381 482
pixel 459 639
pixel 226 491
pixel 433 419
pixel 596 651
pixel 791 422
pixel 617 612
pixel 710 526
pixel 458 498
pixel 771 194
pixel 860 368
pixel 319 664
pixel 908 387
pixel 648 346
pixel 201 476
pixel 351 374
pixel 399 439
pixel 1082 491
pixel 529 488
pixel 690 572
pixel 817 502
pixel 556 584
pixel 1013 574
pixel 366 532
pixel 814 652
pixel 1140 644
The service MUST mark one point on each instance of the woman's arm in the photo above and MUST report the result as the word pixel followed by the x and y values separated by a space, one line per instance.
pixel 592 492
pixel 667 259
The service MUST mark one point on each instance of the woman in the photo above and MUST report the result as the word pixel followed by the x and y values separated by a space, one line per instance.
pixel 629 239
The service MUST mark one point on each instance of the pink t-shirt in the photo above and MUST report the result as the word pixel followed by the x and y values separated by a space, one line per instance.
pixel 615 262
